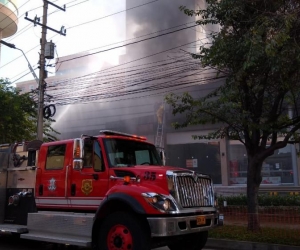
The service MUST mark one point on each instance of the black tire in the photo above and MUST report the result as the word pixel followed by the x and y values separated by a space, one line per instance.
pixel 15 236
pixel 194 241
pixel 122 230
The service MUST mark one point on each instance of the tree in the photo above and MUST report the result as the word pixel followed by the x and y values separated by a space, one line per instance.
pixel 18 117
pixel 257 50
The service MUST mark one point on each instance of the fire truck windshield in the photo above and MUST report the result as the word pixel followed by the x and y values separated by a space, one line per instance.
pixel 128 153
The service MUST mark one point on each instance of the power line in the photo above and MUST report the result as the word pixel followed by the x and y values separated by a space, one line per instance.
pixel 116 42
pixel 107 90
pixel 157 91
pixel 113 14
pixel 113 72
pixel 137 68
pixel 153 94
pixel 138 37
pixel 133 80
pixel 109 85
pixel 90 95
pixel 146 39
pixel 80 77
pixel 23 76
pixel 22 73
pixel 131 39
pixel 177 47
pixel 21 31
pixel 115 91
pixel 41 6
pixel 68 6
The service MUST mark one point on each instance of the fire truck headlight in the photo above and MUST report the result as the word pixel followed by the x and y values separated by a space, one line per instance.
pixel 167 204
pixel 160 202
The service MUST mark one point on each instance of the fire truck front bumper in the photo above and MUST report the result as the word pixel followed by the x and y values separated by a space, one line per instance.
pixel 170 226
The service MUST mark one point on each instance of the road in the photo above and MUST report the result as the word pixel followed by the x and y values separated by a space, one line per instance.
pixel 10 243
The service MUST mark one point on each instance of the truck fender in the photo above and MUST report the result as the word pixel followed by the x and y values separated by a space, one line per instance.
pixel 118 199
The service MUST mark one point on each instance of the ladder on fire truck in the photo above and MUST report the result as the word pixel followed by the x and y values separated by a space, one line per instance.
pixel 159 140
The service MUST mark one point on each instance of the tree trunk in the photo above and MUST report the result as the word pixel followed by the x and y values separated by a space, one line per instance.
pixel 253 181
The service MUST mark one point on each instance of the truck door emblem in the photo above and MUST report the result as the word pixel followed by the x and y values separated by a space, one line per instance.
pixel 52 185
pixel 87 186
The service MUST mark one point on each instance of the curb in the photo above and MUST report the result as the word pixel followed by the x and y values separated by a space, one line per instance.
pixel 245 245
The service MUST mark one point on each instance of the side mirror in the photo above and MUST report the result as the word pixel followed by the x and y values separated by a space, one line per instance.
pixel 78 148
pixel 78 164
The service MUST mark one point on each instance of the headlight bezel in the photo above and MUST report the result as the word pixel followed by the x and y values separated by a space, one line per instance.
pixel 161 202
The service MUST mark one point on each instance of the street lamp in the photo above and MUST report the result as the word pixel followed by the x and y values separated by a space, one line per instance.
pixel 40 105
pixel 10 45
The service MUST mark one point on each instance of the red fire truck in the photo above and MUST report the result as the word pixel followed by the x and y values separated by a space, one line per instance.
pixel 109 191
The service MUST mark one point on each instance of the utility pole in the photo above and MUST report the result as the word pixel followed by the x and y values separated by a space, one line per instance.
pixel 43 41
pixel 42 75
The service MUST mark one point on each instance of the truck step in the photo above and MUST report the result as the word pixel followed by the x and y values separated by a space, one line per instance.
pixel 59 239
pixel 60 227
pixel 13 228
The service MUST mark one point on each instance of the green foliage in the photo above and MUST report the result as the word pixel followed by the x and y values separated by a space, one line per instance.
pixel 18 116
pixel 236 200
pixel 264 200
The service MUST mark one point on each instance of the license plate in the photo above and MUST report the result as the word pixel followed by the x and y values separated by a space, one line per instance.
pixel 201 220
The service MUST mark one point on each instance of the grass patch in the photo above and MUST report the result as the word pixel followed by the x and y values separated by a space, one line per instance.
pixel 266 235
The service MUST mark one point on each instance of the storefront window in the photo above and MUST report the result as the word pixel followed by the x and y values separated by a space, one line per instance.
pixel 277 169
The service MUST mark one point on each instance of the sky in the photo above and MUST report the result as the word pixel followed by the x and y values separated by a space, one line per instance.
pixel 89 35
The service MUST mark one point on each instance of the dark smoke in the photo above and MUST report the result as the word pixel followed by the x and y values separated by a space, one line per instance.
pixel 154 17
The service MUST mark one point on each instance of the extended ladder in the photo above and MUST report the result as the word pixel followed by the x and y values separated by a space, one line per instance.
pixel 159 142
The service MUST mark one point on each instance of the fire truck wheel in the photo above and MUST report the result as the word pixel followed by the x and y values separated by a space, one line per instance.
pixel 194 241
pixel 122 230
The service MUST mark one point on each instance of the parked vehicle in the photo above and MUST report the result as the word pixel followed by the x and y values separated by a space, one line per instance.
pixel 109 191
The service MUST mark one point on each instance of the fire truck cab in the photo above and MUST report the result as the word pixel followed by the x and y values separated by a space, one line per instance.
pixel 109 191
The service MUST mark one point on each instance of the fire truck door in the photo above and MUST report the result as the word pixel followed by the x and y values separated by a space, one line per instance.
pixel 52 174
pixel 88 186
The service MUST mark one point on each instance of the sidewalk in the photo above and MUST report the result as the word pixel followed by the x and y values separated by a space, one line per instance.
pixel 244 245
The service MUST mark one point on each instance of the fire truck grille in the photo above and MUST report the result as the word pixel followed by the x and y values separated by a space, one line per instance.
pixel 194 192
